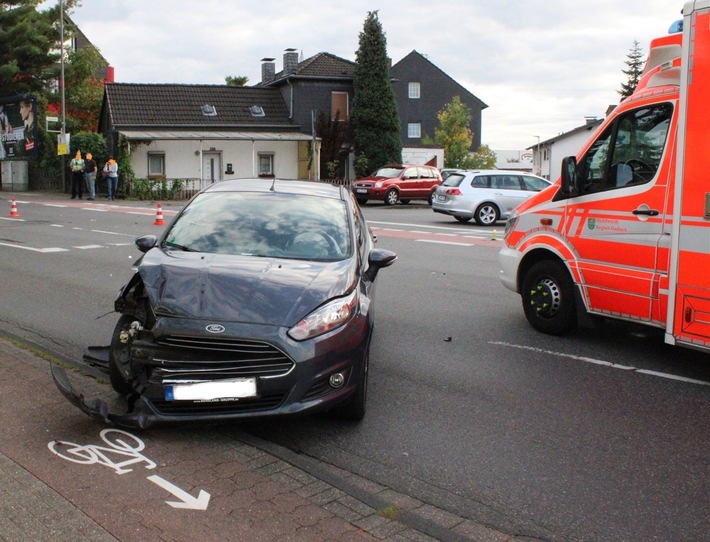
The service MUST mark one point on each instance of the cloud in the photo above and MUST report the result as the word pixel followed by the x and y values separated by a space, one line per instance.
pixel 541 66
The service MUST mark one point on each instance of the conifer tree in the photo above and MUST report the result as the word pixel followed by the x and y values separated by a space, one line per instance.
pixel 375 121
pixel 635 63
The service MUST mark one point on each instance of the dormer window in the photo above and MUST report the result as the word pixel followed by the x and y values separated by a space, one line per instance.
pixel 209 110
pixel 257 111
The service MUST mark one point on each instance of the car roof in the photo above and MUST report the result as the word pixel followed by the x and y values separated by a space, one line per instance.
pixel 282 186
pixel 499 172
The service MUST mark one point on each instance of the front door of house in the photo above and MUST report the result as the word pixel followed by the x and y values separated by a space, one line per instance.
pixel 211 167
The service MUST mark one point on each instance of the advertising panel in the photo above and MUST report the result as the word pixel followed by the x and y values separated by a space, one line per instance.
pixel 18 128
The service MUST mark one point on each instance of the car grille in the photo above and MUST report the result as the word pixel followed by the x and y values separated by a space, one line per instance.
pixel 185 408
pixel 214 358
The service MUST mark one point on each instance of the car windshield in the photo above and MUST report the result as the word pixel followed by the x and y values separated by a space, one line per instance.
pixel 389 172
pixel 276 225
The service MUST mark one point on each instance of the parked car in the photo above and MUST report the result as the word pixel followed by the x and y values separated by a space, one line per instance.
pixel 448 171
pixel 485 195
pixel 398 182
pixel 256 301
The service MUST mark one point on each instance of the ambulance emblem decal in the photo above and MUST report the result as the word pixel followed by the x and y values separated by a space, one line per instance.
pixel 591 223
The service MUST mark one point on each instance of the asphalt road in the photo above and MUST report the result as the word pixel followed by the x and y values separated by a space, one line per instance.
pixel 598 435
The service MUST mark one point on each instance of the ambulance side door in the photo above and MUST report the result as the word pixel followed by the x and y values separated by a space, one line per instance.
pixel 617 221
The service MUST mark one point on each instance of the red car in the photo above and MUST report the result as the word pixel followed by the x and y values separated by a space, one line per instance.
pixel 398 182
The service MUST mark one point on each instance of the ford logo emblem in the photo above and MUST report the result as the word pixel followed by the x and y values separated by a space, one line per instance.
pixel 215 328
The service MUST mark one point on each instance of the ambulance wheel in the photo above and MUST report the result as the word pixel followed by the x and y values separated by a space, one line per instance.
pixel 548 298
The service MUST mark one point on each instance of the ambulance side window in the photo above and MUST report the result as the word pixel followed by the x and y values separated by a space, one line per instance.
pixel 628 152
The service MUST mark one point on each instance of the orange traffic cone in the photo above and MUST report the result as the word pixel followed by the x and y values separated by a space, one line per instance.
pixel 159 216
pixel 13 209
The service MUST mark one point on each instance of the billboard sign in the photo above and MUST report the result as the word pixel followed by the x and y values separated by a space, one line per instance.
pixel 18 128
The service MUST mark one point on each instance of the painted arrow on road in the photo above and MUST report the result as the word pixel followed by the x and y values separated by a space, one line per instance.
pixel 186 500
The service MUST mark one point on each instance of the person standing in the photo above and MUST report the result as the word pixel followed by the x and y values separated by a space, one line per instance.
pixel 90 176
pixel 77 175
pixel 111 170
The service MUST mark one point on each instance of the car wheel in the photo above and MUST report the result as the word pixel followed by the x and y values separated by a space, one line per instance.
pixel 362 201
pixel 486 214
pixel 391 197
pixel 463 219
pixel 354 407
pixel 430 199
pixel 548 298
pixel 119 355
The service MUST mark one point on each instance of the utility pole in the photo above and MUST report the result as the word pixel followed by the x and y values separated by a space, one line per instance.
pixel 61 84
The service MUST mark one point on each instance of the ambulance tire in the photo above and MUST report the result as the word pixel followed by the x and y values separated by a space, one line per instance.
pixel 548 298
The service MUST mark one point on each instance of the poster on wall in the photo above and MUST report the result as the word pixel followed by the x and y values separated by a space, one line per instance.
pixel 18 128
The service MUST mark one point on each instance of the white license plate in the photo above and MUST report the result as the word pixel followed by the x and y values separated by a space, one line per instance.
pixel 361 190
pixel 440 198
pixel 237 388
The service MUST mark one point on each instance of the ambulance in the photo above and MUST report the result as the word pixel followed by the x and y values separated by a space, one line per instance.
pixel 625 232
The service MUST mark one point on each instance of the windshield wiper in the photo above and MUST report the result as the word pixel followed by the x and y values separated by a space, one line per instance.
pixel 179 246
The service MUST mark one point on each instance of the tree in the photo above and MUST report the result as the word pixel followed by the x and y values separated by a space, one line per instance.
pixel 454 134
pixel 635 62
pixel 236 80
pixel 84 89
pixel 374 114
pixel 483 158
pixel 27 37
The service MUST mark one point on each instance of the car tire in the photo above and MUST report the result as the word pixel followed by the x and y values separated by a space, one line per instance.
pixel 463 219
pixel 430 199
pixel 486 214
pixel 362 201
pixel 119 351
pixel 354 407
pixel 548 298
pixel 391 197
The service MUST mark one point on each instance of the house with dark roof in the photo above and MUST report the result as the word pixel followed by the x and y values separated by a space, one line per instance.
pixel 324 82
pixel 422 90
pixel 204 133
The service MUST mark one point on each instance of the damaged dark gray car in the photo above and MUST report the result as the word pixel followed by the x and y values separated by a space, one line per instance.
pixel 256 301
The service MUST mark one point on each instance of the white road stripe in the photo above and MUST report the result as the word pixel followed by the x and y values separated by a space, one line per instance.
pixel 86 247
pixel 443 242
pixel 604 363
pixel 42 250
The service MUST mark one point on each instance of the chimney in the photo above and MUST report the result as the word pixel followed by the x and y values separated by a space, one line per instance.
pixel 290 61
pixel 268 69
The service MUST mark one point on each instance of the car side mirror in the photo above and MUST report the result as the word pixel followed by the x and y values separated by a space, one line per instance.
pixel 146 242
pixel 378 259
pixel 569 176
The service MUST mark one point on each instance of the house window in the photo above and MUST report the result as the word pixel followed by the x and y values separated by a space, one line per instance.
pixel 414 130
pixel 415 90
pixel 266 164
pixel 339 106
pixel 156 165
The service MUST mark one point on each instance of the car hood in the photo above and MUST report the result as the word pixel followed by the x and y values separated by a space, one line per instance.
pixel 241 288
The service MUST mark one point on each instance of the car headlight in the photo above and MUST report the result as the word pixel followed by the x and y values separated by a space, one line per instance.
pixel 325 318
pixel 378 184
pixel 510 224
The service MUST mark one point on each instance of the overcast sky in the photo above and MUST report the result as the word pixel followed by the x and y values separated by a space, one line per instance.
pixel 541 66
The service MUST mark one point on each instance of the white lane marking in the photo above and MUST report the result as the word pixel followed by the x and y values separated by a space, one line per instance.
pixel 94 209
pixel 42 250
pixel 15 219
pixel 406 225
pixel 86 247
pixel 55 205
pixel 113 233
pixel 443 242
pixel 602 362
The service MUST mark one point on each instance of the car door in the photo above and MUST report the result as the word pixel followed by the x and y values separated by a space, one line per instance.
pixel 616 223
pixel 507 191
pixel 409 183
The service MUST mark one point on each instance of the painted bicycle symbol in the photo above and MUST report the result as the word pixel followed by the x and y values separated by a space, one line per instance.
pixel 121 445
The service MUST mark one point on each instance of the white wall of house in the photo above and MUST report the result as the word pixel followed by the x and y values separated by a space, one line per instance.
pixel 554 150
pixel 208 159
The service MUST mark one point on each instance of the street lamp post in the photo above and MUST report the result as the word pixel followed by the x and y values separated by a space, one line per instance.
pixel 61 84
pixel 539 158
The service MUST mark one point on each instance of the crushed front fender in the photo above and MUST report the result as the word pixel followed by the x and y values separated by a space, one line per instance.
pixel 139 414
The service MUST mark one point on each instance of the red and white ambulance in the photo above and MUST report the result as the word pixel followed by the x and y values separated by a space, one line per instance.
pixel 625 231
